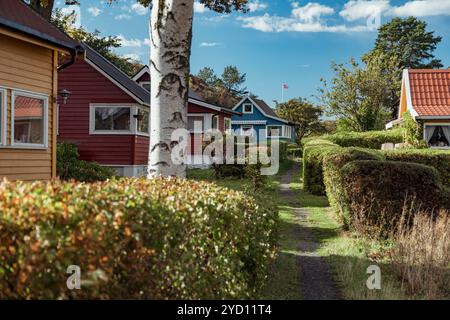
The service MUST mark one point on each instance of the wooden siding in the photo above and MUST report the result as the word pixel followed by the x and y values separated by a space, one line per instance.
pixel 27 66
pixel 87 85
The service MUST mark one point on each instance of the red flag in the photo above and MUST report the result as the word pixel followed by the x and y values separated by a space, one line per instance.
pixel 285 86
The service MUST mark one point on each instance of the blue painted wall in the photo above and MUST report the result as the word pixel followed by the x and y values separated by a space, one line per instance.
pixel 258 115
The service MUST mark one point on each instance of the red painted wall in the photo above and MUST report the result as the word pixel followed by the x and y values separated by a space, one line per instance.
pixel 87 86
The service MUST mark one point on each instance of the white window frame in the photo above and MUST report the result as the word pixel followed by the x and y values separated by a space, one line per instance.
pixel 133 121
pixel 246 104
pixel 280 131
pixel 227 129
pixel 142 83
pixel 215 118
pixel 437 124
pixel 287 131
pixel 207 121
pixel 39 96
pixel 248 126
pixel 3 111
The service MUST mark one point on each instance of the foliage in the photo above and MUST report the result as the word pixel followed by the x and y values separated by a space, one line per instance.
pixel 332 164
pixel 438 159
pixel 376 192
pixel 69 167
pixel 409 41
pixel 230 82
pixel 303 113
pixel 357 94
pixel 370 139
pixel 314 153
pixel 209 77
pixel 413 131
pixel 103 45
pixel 133 239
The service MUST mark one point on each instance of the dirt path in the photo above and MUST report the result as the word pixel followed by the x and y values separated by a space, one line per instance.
pixel 315 280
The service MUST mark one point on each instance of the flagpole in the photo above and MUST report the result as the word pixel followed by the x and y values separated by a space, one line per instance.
pixel 282 93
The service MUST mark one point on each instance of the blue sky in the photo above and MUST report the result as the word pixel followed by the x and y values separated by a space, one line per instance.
pixel 292 42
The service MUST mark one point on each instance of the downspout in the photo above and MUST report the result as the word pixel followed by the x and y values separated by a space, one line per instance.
pixel 73 57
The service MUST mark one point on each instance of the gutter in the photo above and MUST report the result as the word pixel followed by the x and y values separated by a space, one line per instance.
pixel 73 56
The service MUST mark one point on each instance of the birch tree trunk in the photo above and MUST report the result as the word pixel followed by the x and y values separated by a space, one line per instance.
pixel 170 46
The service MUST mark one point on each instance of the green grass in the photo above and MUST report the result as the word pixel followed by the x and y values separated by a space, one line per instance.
pixel 348 255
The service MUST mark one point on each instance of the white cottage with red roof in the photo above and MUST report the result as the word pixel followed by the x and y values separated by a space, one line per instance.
pixel 426 96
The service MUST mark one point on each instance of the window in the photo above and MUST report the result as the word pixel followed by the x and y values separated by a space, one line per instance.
pixel 248 108
pixel 247 130
pixel 287 131
pixel 215 122
pixel 29 120
pixel 227 125
pixel 143 120
pixel 274 131
pixel 145 85
pixel 437 136
pixel 2 116
pixel 112 119
pixel 196 123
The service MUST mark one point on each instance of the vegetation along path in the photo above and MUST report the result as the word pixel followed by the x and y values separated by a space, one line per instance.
pixel 315 280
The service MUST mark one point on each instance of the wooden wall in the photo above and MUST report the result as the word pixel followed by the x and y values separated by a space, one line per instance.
pixel 28 67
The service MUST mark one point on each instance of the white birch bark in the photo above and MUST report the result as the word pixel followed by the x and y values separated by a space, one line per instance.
pixel 170 49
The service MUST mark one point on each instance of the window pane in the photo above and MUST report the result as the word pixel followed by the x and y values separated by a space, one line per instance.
pixel 112 118
pixel 146 86
pixel 28 120
pixel 274 131
pixel 248 107
pixel 143 120
pixel 195 123
pixel 215 122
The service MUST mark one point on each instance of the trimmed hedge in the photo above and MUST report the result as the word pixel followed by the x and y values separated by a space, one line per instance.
pixel 438 159
pixel 313 154
pixel 69 167
pixel 369 139
pixel 132 239
pixel 332 164
pixel 377 190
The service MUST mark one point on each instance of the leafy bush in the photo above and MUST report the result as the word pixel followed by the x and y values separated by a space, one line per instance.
pixel 332 164
pixel 413 131
pixel 369 139
pixel 132 238
pixel 69 167
pixel 377 191
pixel 313 154
pixel 438 159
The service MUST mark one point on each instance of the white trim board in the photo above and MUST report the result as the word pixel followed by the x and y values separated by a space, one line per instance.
pixel 144 70
pixel 3 111
pixel 259 108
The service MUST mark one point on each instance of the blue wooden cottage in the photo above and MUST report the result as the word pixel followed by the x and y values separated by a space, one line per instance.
pixel 258 119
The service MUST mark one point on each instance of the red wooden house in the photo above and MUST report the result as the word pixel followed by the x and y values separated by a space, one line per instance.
pixel 107 113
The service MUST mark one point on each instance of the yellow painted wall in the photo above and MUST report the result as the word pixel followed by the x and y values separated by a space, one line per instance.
pixel 403 103
pixel 28 66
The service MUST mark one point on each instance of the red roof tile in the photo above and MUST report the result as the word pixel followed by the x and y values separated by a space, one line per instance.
pixel 430 92
pixel 17 15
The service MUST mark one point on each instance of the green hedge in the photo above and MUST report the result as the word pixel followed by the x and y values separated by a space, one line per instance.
pixel 132 238
pixel 377 191
pixel 370 139
pixel 69 167
pixel 313 154
pixel 438 159
pixel 332 164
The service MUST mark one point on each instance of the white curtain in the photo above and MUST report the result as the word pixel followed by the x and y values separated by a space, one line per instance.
pixel 429 130
pixel 446 130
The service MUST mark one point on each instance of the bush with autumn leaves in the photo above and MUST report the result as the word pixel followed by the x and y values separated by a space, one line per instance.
pixel 132 239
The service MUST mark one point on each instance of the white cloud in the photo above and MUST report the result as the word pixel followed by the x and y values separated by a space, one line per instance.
pixel 94 11
pixel 130 42
pixel 132 56
pixel 139 9
pixel 311 12
pixel 122 16
pixel 363 9
pixel 69 10
pixel 199 7
pixel 422 8
pixel 210 44
pixel 257 6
